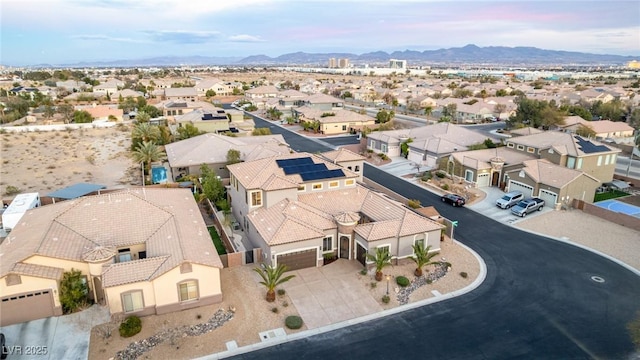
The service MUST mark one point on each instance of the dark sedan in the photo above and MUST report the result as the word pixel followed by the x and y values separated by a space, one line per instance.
pixel 453 199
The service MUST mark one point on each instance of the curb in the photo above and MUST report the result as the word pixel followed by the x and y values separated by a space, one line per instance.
pixel 402 308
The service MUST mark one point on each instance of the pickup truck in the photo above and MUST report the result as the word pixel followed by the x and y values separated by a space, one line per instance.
pixel 526 206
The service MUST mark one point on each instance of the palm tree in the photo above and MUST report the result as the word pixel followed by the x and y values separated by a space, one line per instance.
pixel 382 259
pixel 422 257
pixel 272 277
pixel 146 132
pixel 148 152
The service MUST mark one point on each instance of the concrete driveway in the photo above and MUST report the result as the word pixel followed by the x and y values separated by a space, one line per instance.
pixel 488 208
pixel 330 294
pixel 61 337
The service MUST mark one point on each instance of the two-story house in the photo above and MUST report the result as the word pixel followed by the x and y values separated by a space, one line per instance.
pixel 300 207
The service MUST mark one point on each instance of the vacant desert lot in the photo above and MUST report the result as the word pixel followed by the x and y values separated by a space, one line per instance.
pixel 49 160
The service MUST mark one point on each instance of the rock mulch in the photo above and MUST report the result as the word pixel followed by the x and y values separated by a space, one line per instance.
pixel 439 272
pixel 137 348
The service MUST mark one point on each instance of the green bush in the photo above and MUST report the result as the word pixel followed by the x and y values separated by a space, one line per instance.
pixel 12 190
pixel 274 310
pixel 445 186
pixel 293 322
pixel 363 271
pixel 131 326
pixel 414 204
pixel 386 299
pixel 281 292
pixel 441 174
pixel 402 281
pixel 73 291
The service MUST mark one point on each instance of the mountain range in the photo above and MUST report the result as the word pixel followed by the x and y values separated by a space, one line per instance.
pixel 469 55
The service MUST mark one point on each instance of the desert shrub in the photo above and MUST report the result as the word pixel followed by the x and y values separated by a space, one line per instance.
pixel 414 204
pixel 131 326
pixel 429 281
pixel 426 176
pixel 281 292
pixel 386 299
pixel 274 310
pixel 373 284
pixel 402 281
pixel 12 190
pixel 363 271
pixel 293 322
pixel 464 274
pixel 445 186
pixel 441 174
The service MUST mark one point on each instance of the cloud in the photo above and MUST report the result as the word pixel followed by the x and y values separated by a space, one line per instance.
pixel 245 38
pixel 97 37
pixel 183 36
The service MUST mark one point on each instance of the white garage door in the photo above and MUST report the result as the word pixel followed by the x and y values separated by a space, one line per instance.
pixel 550 198
pixel 526 190
pixel 483 180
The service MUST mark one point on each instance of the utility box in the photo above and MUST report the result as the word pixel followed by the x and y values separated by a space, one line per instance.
pixel 18 207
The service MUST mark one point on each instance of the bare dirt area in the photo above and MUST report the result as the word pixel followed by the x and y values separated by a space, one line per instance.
pixel 49 160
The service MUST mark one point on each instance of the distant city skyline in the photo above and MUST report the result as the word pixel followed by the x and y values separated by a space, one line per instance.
pixel 72 31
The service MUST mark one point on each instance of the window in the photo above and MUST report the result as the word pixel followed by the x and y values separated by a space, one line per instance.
pixel 188 290
pixel 372 144
pixel 599 160
pixel 468 175
pixel 344 127
pixel 530 149
pixel 579 163
pixel 349 182
pixel 510 145
pixel 327 243
pixel 132 301
pixel 383 148
pixel 317 186
pixel 333 184
pixel 520 147
pixel 419 242
pixel 571 162
pixel 357 169
pixel 613 158
pixel 606 159
pixel 124 255
pixel 302 188
pixel 256 198
pixel 387 247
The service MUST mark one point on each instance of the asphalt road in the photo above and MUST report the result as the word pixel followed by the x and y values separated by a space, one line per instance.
pixel 538 301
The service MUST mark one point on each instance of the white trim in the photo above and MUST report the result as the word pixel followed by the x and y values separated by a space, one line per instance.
pixel 251 192
pixel 333 245
pixel 336 182
pixel 313 186
pixel 346 180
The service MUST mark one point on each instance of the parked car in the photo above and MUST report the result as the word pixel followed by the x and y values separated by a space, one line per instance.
pixel 453 199
pixel 509 199
pixel 527 206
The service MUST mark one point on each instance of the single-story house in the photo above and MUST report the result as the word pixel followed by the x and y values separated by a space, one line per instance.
pixel 140 251
pixel 335 121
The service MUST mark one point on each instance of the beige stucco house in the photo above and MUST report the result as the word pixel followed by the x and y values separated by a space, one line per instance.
pixel 333 121
pixel 141 252
pixel 300 208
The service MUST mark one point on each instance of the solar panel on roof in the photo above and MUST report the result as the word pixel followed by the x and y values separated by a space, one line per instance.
pixel 282 163
pixel 324 174
pixel 298 169
pixel 589 148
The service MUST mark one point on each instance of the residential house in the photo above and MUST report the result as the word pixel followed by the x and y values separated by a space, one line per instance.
pixel 187 156
pixel 428 143
pixel 486 167
pixel 181 94
pixel 604 129
pixel 554 184
pixel 140 251
pixel 323 102
pixel 337 121
pixel 261 92
pixel 220 87
pixel 347 159
pixel 108 87
pixel 103 112
pixel 215 121
pixel 571 151
pixel 299 208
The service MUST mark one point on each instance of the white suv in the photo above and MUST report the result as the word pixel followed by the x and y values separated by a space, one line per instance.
pixel 509 199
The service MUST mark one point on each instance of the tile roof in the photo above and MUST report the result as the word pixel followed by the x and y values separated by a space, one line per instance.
pixel 131 271
pixel 455 136
pixel 212 148
pixel 342 154
pixel 563 143
pixel 167 221
pixel 481 159
pixel 547 173
pixel 36 270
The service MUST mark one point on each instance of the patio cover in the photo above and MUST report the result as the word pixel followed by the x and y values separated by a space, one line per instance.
pixel 76 191
pixel 619 184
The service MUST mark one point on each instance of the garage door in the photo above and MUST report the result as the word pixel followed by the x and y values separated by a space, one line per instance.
pixel 483 180
pixel 26 307
pixel 299 260
pixel 526 190
pixel 550 198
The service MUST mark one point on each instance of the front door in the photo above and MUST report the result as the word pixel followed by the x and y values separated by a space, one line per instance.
pixel 495 178
pixel 344 247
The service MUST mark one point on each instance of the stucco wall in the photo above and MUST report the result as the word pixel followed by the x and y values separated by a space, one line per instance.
pixel 30 284
pixel 114 300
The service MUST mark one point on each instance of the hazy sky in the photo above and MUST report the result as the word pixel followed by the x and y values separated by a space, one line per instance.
pixel 70 31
